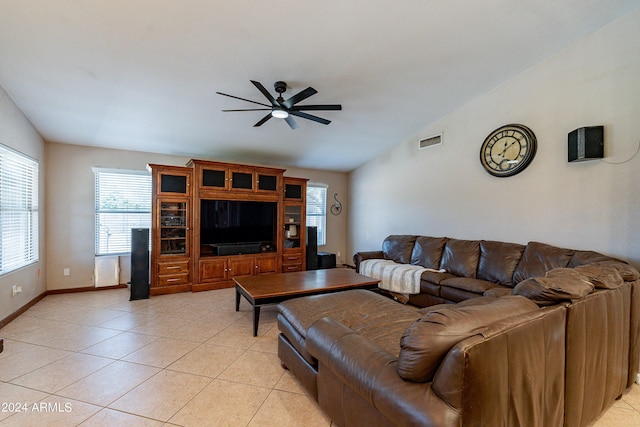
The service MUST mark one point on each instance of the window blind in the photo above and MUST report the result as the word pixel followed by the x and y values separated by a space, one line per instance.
pixel 317 210
pixel 18 210
pixel 123 202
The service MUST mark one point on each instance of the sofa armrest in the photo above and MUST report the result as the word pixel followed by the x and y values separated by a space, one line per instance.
pixel 370 372
pixel 361 256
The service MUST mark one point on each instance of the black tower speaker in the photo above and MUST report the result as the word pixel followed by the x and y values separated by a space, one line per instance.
pixel 312 248
pixel 586 143
pixel 139 263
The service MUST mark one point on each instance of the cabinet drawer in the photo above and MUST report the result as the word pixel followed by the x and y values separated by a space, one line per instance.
pixel 290 268
pixel 174 267
pixel 173 279
pixel 292 259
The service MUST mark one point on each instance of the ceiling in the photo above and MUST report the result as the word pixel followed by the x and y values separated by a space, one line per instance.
pixel 143 74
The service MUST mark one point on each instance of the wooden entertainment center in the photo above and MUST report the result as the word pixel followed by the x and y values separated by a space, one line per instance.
pixel 213 221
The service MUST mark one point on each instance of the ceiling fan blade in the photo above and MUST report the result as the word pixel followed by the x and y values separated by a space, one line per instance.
pixel 291 122
pixel 299 97
pixel 265 92
pixel 248 109
pixel 316 107
pixel 262 120
pixel 310 117
pixel 243 99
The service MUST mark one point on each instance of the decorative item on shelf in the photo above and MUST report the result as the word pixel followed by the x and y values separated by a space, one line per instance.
pixel 508 150
pixel 586 143
pixel 336 208
pixel 293 231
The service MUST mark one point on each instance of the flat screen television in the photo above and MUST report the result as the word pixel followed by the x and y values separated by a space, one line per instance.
pixel 238 222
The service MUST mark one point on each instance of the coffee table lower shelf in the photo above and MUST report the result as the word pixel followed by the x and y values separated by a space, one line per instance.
pixel 275 288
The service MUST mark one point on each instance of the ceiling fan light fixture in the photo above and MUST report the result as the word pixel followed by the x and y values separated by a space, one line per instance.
pixel 281 108
pixel 279 114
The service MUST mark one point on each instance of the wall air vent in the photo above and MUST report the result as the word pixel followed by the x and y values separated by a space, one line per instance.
pixel 429 141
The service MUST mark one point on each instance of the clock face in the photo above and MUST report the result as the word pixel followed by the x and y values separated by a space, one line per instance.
pixel 508 150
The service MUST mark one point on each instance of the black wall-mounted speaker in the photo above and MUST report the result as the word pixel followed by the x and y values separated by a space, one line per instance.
pixel 139 263
pixel 586 143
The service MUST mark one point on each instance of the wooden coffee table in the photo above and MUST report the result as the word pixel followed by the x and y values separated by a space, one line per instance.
pixel 275 288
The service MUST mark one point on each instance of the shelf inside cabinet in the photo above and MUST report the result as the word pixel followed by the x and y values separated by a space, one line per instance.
pixel 173 228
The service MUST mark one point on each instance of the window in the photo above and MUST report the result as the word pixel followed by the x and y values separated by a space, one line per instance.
pixel 18 210
pixel 317 210
pixel 123 202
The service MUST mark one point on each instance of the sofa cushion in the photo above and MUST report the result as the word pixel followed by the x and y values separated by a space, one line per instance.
pixel 498 291
pixel 560 284
pixel 601 276
pixel 381 320
pixel 467 284
pixel 588 257
pixel 436 277
pixel 425 343
pixel 628 273
pixel 398 248
pixel 469 302
pixel 460 257
pixel 498 261
pixel 427 251
pixel 538 258
pixel 429 288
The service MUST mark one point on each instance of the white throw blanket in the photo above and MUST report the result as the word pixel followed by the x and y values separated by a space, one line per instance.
pixel 394 277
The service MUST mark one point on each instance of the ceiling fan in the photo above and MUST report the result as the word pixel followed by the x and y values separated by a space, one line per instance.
pixel 284 109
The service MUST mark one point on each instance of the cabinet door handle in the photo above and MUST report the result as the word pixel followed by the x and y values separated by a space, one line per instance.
pixel 292 257
pixel 173 280
pixel 173 267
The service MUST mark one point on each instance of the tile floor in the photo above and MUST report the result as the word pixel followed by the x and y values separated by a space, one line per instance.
pixel 98 359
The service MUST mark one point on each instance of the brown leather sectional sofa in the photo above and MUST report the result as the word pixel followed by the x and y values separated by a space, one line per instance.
pixel 509 335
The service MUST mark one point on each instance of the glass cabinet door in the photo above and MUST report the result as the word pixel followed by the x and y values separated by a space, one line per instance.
pixel 173 183
pixel 292 224
pixel 267 182
pixel 173 228
pixel 293 191
pixel 214 178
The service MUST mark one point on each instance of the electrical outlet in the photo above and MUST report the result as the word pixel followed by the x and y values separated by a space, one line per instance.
pixel 19 289
pixel 14 290
pixel 66 271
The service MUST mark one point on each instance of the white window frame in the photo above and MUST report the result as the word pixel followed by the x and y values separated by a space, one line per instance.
pixel 129 206
pixel 317 212
pixel 19 241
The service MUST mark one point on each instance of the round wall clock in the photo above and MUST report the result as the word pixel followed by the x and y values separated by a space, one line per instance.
pixel 508 150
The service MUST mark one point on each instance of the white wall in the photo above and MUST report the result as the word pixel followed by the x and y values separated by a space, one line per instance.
pixel 70 201
pixel 17 133
pixel 70 239
pixel 444 191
